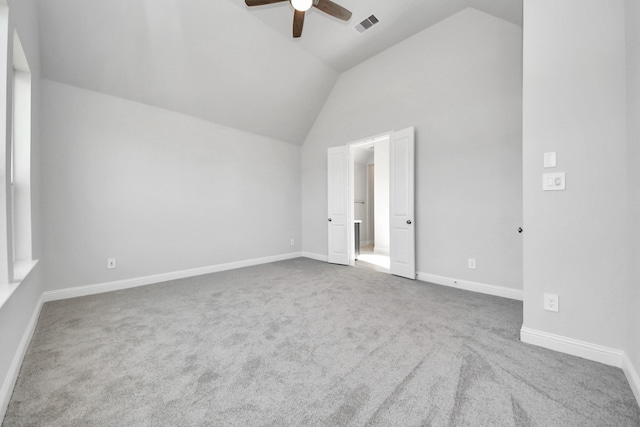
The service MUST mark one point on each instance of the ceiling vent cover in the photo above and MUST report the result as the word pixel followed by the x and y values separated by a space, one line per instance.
pixel 366 24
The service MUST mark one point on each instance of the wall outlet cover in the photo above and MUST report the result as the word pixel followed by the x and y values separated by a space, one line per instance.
pixel 551 302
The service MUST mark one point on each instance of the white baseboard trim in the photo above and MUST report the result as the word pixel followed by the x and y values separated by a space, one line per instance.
pixel 317 257
pixel 80 291
pixel 483 288
pixel 381 251
pixel 14 369
pixel 632 376
pixel 366 242
pixel 586 350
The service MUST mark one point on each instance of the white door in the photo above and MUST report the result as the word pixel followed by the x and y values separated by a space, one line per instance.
pixel 338 187
pixel 401 204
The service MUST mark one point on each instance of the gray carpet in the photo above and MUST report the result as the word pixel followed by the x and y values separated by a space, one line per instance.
pixel 302 342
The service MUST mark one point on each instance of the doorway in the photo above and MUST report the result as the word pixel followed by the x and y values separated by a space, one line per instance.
pixel 369 165
pixel 397 173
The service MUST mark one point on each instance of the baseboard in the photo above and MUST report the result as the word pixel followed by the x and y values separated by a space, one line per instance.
pixel 366 242
pixel 586 350
pixel 483 288
pixel 80 291
pixel 317 257
pixel 381 251
pixel 632 376
pixel 14 369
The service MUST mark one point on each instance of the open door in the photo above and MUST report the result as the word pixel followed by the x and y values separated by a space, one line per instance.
pixel 401 203
pixel 338 189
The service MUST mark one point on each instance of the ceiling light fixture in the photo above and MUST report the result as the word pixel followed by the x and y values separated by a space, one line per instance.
pixel 302 5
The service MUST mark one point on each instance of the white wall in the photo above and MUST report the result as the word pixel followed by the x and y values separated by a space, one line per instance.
pixel 459 83
pixel 16 313
pixel 632 15
pixel 574 103
pixel 157 190
pixel 382 227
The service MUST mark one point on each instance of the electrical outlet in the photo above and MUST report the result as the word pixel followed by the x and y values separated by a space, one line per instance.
pixel 551 302
pixel 111 263
pixel 293 242
pixel 472 263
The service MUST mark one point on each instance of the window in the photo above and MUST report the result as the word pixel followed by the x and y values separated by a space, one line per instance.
pixel 6 259
pixel 20 162
pixel 15 160
pixel 21 153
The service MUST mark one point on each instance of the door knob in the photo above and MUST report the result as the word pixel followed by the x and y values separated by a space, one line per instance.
pixel 520 230
pixel 409 221
pixel 329 219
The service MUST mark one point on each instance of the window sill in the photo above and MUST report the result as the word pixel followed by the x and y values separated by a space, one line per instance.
pixel 21 270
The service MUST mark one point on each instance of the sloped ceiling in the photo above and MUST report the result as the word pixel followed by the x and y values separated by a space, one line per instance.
pixel 206 58
pixel 339 45
pixel 222 61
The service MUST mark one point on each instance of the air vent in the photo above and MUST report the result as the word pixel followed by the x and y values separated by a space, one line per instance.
pixel 366 24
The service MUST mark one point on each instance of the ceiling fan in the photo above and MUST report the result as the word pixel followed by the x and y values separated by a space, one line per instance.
pixel 301 6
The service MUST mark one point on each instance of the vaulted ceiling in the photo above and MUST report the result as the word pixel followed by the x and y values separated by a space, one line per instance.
pixel 339 45
pixel 223 61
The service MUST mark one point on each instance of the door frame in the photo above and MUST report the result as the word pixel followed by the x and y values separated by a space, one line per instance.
pixel 351 146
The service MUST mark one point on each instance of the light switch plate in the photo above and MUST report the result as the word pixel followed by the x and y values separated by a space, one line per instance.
pixel 554 181
pixel 550 160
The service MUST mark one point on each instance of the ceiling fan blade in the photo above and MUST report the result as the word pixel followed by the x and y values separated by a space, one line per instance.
pixel 298 23
pixel 261 2
pixel 329 7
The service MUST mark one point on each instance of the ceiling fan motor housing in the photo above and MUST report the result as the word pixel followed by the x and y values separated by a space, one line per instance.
pixel 302 5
